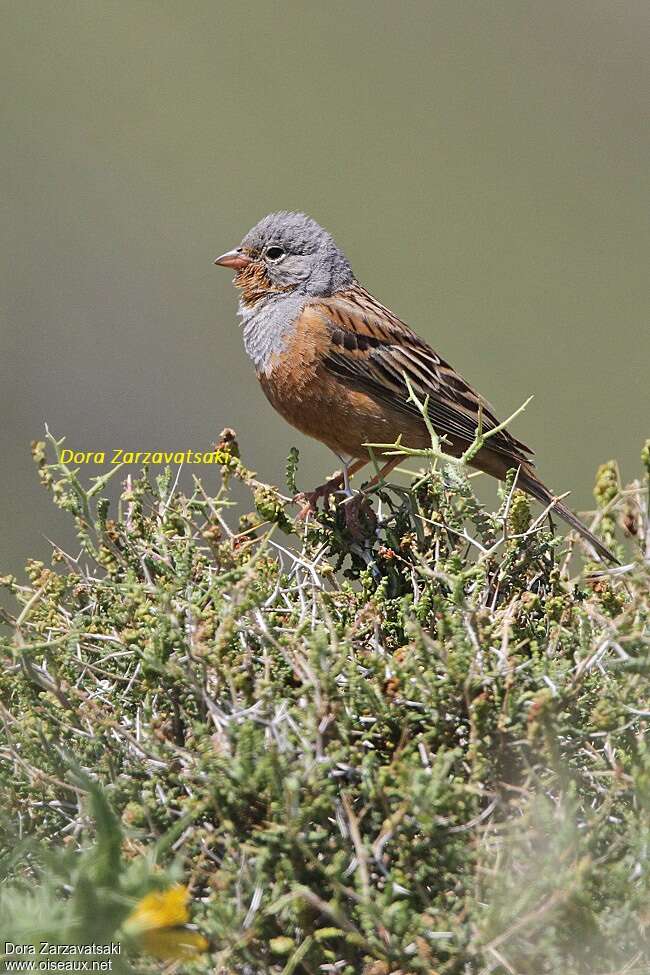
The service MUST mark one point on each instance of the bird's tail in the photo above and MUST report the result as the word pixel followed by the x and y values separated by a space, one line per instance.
pixel 533 486
pixel 497 465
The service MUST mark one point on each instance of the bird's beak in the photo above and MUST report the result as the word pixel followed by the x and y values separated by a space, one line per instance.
pixel 235 259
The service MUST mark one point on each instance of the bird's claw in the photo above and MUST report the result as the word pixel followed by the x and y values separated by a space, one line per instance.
pixel 309 499
pixel 358 515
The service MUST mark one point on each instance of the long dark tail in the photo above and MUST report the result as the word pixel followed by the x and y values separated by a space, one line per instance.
pixel 497 464
pixel 533 486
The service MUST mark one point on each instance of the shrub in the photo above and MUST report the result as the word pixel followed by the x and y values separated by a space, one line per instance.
pixel 409 741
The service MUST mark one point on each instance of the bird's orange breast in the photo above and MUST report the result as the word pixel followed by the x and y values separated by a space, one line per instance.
pixel 313 400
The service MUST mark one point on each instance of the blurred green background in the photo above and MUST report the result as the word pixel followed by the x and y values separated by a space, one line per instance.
pixel 485 166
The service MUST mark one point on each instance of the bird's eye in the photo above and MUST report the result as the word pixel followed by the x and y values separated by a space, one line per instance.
pixel 274 253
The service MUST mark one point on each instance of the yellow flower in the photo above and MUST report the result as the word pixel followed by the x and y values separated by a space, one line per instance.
pixel 159 923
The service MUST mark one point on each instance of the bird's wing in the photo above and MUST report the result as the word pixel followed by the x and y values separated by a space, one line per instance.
pixel 371 350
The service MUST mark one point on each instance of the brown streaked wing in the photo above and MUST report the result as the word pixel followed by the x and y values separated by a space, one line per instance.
pixel 372 351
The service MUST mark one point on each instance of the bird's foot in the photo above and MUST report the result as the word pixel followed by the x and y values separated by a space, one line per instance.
pixel 310 499
pixel 359 516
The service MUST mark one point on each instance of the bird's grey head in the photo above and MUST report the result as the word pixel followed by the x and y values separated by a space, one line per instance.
pixel 288 252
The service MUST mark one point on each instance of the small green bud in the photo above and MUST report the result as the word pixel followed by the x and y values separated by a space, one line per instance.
pixel 282 946
pixel 607 483
pixel 270 507
pixel 519 515
pixel 645 456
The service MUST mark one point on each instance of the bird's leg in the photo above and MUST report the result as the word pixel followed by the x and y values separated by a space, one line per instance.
pixel 310 499
pixel 347 490
pixel 353 503
pixel 386 469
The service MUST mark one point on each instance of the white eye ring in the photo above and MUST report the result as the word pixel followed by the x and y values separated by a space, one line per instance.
pixel 274 253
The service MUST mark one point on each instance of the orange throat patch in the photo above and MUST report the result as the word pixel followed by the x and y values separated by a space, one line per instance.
pixel 254 284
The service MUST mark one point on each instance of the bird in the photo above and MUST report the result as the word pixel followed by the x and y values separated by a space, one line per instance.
pixel 342 368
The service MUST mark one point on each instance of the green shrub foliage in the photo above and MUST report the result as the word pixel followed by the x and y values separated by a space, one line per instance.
pixel 406 736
